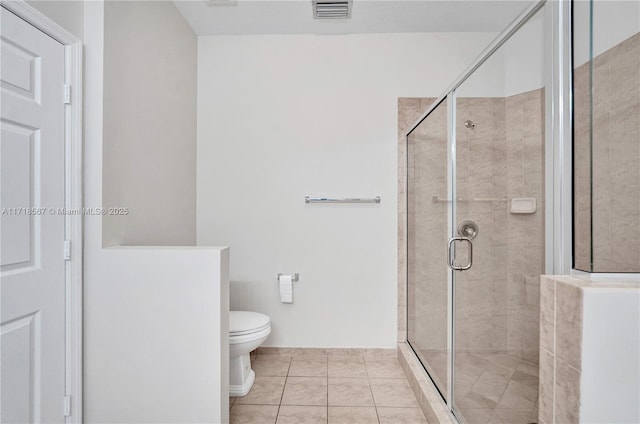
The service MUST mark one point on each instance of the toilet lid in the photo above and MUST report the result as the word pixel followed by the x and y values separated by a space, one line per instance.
pixel 247 322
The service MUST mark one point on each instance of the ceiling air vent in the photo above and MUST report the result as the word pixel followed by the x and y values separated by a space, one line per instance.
pixel 327 9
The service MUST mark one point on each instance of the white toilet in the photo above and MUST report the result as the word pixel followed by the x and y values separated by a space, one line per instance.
pixel 247 331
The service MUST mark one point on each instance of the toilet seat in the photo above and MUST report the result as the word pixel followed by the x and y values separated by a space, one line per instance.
pixel 249 337
pixel 245 323
pixel 242 333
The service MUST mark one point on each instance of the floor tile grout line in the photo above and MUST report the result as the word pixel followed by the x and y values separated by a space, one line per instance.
pixel 327 389
pixel 359 406
pixel 286 377
pixel 362 360
pixel 375 406
pixel 513 369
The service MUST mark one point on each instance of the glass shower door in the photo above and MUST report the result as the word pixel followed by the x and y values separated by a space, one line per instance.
pixel 498 217
pixel 427 235
pixel 475 233
pixel 495 301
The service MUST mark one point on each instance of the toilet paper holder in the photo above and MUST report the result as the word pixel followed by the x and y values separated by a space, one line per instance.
pixel 294 278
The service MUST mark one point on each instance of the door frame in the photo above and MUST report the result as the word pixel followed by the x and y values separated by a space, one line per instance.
pixel 73 199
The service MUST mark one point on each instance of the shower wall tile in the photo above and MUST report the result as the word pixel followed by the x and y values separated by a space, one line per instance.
pixel 499 238
pixel 627 248
pixel 582 230
pixel 561 324
pixel 499 123
pixel 409 110
pixel 402 267
pixel 532 292
pixel 569 324
pixel 525 177
pixel 546 386
pixel 547 314
pixel 534 163
pixel 501 157
pixel 567 393
pixel 615 155
pixel 582 167
pixel 601 78
pixel 426 103
pixel 427 280
pixel 594 338
pixel 533 121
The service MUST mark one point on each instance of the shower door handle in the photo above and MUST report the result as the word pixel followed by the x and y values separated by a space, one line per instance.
pixel 452 256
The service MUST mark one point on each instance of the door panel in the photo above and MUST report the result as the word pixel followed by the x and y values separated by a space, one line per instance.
pixel 32 233
pixel 20 373
pixel 499 144
pixel 19 175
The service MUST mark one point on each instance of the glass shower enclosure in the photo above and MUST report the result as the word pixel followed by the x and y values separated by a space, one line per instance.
pixel 475 232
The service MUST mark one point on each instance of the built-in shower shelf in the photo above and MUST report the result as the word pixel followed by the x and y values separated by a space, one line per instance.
pixel 438 199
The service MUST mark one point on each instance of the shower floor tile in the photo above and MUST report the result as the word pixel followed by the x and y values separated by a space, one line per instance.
pixel 492 387
pixel 354 390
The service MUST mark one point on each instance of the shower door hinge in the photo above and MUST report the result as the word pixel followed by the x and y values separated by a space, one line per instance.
pixel 67 94
pixel 67 250
pixel 67 406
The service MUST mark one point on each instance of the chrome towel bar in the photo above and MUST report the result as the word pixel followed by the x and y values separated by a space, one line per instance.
pixel 308 199
pixel 437 199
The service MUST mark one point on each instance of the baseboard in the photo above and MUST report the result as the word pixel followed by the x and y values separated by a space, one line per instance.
pixel 319 351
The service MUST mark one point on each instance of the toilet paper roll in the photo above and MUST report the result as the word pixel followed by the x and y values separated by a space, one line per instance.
pixel 286 289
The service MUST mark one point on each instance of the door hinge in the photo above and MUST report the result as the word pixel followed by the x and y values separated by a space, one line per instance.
pixel 67 94
pixel 67 250
pixel 67 406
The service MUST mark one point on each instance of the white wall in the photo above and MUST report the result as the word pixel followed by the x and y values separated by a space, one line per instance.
pixel 281 117
pixel 517 67
pixel 150 124
pixel 524 58
pixel 66 13
pixel 610 385
pixel 155 319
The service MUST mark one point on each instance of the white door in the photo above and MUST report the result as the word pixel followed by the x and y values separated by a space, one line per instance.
pixel 32 284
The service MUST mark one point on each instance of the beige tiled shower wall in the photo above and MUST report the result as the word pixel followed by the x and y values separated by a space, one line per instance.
pixel 409 110
pixel 616 153
pixel 426 233
pixel 588 351
pixel 582 168
pixel 525 233
pixel 500 158
pixel 560 350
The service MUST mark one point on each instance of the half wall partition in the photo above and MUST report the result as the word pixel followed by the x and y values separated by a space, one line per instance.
pixel 475 232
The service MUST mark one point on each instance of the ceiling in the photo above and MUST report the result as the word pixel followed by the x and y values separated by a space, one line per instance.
pixel 217 17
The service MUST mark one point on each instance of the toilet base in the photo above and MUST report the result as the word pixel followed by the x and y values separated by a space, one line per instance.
pixel 242 389
pixel 241 376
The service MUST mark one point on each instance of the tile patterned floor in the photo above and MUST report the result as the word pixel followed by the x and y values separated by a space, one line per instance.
pixel 492 387
pixel 327 390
